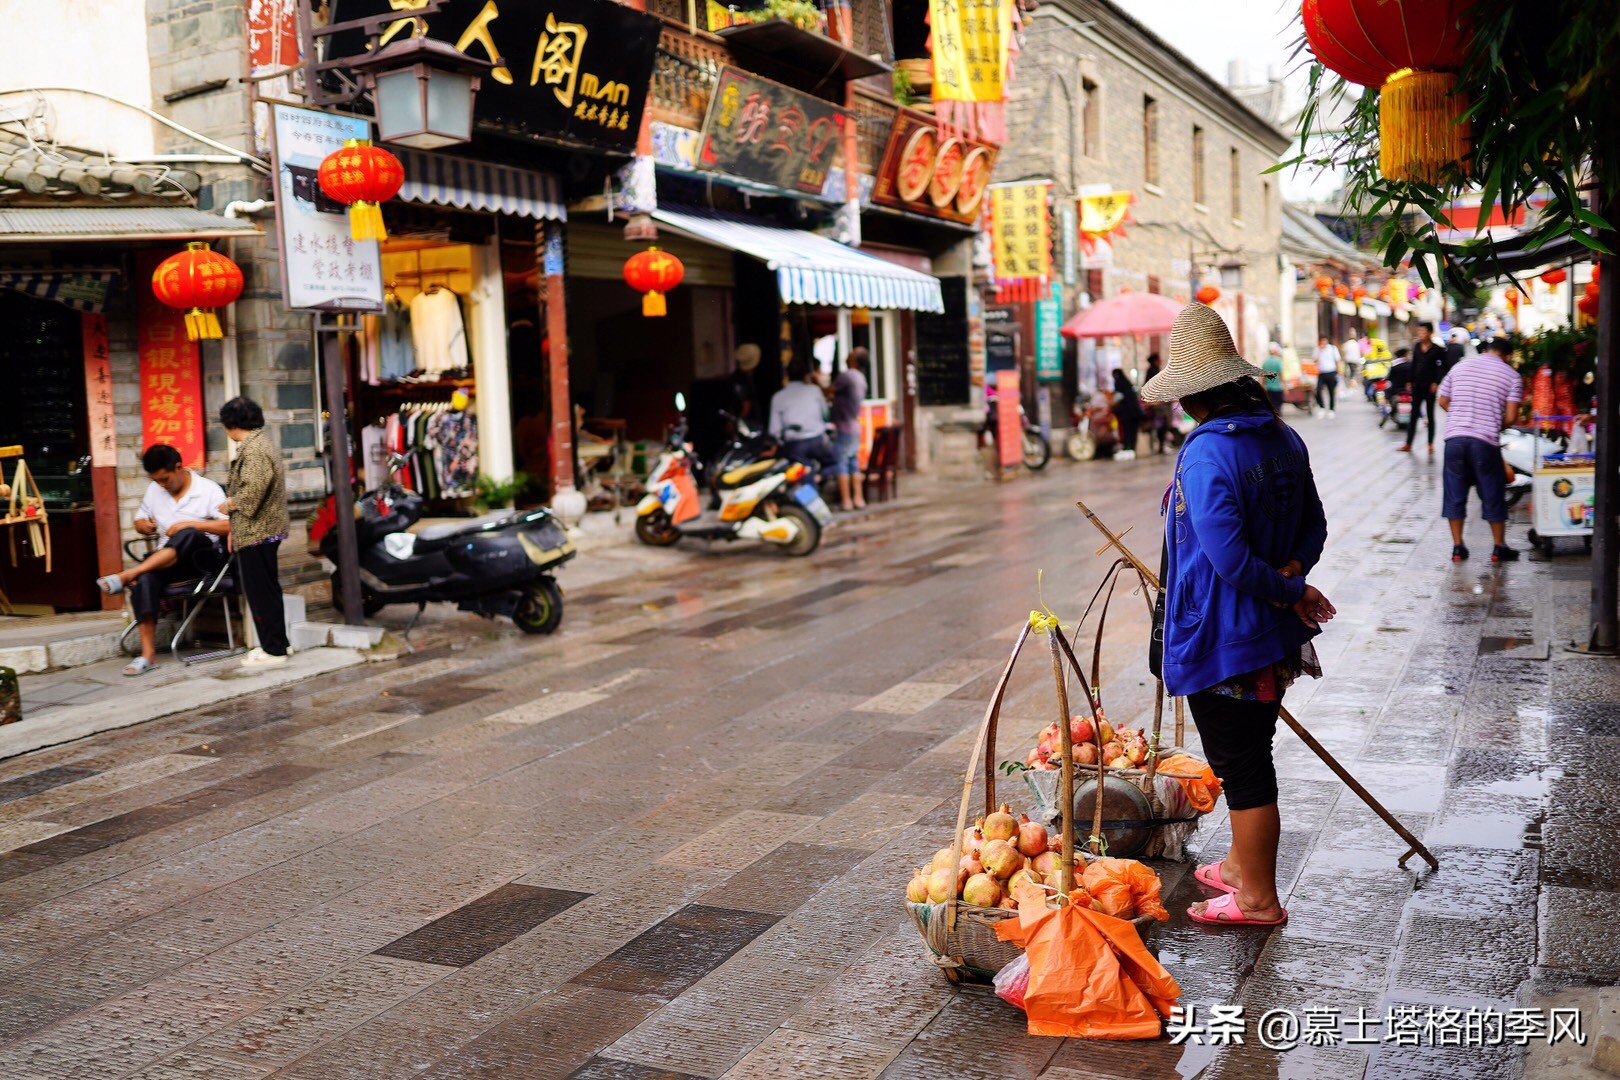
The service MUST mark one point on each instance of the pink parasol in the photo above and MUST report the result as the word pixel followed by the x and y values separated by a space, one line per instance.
pixel 1126 315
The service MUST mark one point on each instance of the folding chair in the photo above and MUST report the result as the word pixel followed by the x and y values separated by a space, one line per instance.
pixel 883 465
pixel 187 600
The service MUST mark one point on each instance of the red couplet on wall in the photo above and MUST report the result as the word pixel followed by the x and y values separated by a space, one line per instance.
pixel 1009 424
pixel 171 372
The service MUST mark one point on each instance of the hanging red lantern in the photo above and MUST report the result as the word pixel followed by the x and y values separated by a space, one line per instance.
pixel 362 177
pixel 1358 294
pixel 1342 291
pixel 196 281
pixel 1588 305
pixel 653 272
pixel 1208 294
pixel 1555 277
pixel 1411 52
pixel 1324 284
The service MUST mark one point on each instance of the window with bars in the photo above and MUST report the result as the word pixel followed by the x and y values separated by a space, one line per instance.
pixel 1150 140
pixel 1090 117
pixel 1237 185
pixel 1198 164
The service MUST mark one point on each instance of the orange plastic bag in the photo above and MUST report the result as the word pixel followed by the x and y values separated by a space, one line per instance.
pixel 1124 887
pixel 1195 777
pixel 1090 976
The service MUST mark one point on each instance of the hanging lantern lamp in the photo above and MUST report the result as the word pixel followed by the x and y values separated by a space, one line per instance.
pixel 362 177
pixel 653 272
pixel 196 281
pixel 1324 284
pixel 1358 294
pixel 1555 276
pixel 1411 52
pixel 1208 295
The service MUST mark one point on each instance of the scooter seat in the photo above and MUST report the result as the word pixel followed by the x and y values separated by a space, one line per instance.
pixel 448 529
pixel 743 474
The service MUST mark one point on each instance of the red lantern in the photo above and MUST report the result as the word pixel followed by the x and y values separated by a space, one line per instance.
pixel 1555 277
pixel 1411 52
pixel 1208 294
pixel 1324 284
pixel 1342 291
pixel 1588 305
pixel 653 272
pixel 197 280
pixel 1358 294
pixel 362 177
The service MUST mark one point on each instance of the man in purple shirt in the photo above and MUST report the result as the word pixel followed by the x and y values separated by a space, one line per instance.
pixel 1480 396
pixel 848 396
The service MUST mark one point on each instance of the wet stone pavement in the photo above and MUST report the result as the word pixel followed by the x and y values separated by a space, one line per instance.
pixel 671 842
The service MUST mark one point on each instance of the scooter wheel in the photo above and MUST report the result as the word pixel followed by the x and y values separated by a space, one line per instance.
pixel 656 529
pixel 1082 447
pixel 809 537
pixel 1037 451
pixel 541 609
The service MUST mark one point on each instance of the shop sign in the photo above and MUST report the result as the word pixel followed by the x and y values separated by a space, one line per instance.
pixel 1009 420
pixel 1070 258
pixel 1048 342
pixel 927 172
pixel 575 70
pixel 323 268
pixel 170 371
pixel 98 394
pixel 970 42
pixel 1019 227
pixel 764 131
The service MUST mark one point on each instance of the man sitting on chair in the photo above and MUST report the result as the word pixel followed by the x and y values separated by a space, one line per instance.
pixel 181 508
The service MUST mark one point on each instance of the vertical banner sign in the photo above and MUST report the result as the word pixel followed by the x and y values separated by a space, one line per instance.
pixel 1071 228
pixel 1048 342
pixel 170 370
pixel 1009 422
pixel 970 40
pixel 1021 248
pixel 1102 216
pixel 323 268
pixel 98 390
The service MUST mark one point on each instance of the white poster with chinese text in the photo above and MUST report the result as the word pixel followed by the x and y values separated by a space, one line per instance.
pixel 323 268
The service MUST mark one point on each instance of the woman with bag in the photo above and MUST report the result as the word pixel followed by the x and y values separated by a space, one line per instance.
pixel 1243 528
pixel 257 505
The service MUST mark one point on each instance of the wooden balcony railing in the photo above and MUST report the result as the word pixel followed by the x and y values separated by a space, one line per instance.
pixel 684 76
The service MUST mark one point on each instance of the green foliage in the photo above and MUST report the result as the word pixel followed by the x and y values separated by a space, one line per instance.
pixel 490 493
pixel 904 94
pixel 1567 351
pixel 1540 81
pixel 801 13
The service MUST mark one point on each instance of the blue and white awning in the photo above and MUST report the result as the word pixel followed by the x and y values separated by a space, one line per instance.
pixel 811 269
pixel 82 290
pixel 480 185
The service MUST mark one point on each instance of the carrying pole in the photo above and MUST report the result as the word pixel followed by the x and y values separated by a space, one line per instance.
pixel 1415 845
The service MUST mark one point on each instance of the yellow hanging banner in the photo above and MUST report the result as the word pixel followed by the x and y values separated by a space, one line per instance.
pixel 1020 228
pixel 970 39
pixel 1102 214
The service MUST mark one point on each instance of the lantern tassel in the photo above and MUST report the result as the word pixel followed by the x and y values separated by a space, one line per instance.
pixel 653 304
pixel 202 324
pixel 366 221
pixel 1420 126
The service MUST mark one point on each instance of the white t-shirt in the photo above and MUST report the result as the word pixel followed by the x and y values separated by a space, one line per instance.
pixel 1327 360
pixel 199 503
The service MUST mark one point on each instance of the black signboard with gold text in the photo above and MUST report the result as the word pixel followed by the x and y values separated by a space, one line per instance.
pixel 764 131
pixel 574 70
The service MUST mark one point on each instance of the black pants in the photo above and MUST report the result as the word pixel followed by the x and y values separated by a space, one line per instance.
pixel 1328 384
pixel 1130 427
pixel 1276 399
pixel 261 584
pixel 197 554
pixel 1237 741
pixel 1419 403
pixel 816 451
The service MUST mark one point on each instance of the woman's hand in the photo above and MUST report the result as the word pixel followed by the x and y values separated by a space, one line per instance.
pixel 1313 608
pixel 1291 569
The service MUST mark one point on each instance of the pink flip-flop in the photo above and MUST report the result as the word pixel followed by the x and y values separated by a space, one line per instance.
pixel 1211 875
pixel 1224 911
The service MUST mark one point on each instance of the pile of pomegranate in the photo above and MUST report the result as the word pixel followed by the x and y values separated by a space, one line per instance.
pixel 1124 748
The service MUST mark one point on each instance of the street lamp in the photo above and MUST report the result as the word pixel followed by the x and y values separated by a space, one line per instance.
pixel 423 91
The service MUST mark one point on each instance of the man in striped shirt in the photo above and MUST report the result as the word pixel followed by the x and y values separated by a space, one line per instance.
pixel 1480 396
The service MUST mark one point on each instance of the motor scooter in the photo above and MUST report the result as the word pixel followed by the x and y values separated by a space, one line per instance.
pixel 1521 449
pixel 769 499
pixel 498 564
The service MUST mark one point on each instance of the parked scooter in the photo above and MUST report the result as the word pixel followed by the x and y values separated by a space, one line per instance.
pixel 1521 449
pixel 769 499
pixel 498 564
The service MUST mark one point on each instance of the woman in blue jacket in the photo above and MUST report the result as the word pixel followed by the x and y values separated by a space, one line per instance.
pixel 1243 529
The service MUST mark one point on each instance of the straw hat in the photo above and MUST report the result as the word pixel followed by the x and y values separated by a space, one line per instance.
pixel 1202 357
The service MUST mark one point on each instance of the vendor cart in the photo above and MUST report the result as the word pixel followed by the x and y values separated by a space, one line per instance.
pixel 1562 498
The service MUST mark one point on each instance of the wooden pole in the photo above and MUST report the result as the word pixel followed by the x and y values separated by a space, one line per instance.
pixel 1065 772
pixel 347 600
pixel 1309 740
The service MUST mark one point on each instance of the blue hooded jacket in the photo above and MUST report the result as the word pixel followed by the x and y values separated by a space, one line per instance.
pixel 1242 504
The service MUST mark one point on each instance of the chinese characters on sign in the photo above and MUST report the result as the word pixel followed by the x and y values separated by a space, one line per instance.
pixel 1103 216
pixel 170 372
pixel 1048 341
pixel 1009 421
pixel 929 173
pixel 324 267
pixel 574 69
pixel 1020 232
pixel 970 39
pixel 764 131
pixel 98 395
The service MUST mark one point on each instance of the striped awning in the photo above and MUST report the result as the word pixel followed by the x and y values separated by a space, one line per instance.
pixel 82 290
pixel 811 269
pixel 479 185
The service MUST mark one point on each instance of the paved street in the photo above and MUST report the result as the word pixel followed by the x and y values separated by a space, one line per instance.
pixel 672 841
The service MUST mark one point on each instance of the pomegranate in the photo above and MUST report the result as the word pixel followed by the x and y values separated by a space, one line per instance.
pixel 972 840
pixel 1024 875
pixel 1033 759
pixel 1105 730
pixel 1000 825
pixel 942 885
pixel 1085 753
pixel 1031 836
pixel 1080 729
pixel 1008 904
pixel 1001 858
pixel 942 859
pixel 917 888
pixel 1137 752
pixel 982 890
pixel 1050 738
pixel 1111 750
pixel 970 865
pixel 1046 864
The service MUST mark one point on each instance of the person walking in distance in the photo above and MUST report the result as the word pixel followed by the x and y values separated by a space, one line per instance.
pixel 257 504
pixel 1327 377
pixel 1273 367
pixel 1128 414
pixel 1429 362
pixel 1481 397
pixel 848 393
pixel 1243 529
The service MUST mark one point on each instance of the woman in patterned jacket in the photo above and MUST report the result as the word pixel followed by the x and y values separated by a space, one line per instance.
pixel 257 504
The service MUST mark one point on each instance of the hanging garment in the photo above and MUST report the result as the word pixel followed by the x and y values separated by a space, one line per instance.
pixel 396 351
pixel 455 438
pixel 370 333
pixel 437 332
pixel 374 456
